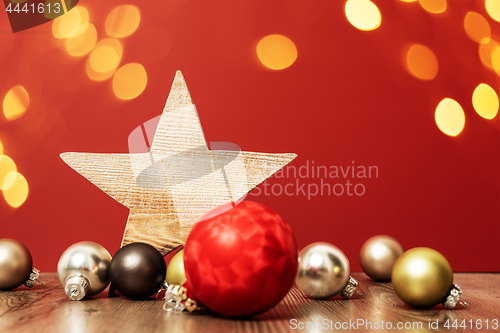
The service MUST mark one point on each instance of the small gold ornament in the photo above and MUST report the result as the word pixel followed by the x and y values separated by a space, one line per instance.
pixel 378 255
pixel 422 277
pixel 16 265
pixel 175 269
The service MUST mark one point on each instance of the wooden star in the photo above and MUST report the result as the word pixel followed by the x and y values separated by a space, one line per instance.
pixel 168 189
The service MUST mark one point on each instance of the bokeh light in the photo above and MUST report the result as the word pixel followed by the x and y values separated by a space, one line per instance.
pixel 82 44
pixel 1 148
pixel 276 52
pixel 477 28
pixel 493 9
pixel 486 50
pixel 433 6
pixel 7 166
pixel 71 24
pixel 421 62
pixel 16 102
pixel 96 76
pixel 106 55
pixel 122 21
pixel 495 59
pixel 450 117
pixel 485 101
pixel 130 81
pixel 16 194
pixel 409 0
pixel 363 14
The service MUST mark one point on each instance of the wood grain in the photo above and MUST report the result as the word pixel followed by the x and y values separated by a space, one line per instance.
pixel 170 188
pixel 47 309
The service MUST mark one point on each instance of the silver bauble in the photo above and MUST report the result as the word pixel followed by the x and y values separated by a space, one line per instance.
pixel 323 270
pixel 83 270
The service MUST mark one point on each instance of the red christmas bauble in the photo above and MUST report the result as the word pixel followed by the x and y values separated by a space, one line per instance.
pixel 241 262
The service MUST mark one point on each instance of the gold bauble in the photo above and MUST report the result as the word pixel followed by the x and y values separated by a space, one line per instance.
pixel 378 255
pixel 422 277
pixel 15 263
pixel 175 269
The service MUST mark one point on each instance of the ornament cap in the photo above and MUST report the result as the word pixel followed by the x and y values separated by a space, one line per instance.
pixel 350 288
pixel 77 287
pixel 33 278
pixel 177 300
pixel 453 297
pixel 174 296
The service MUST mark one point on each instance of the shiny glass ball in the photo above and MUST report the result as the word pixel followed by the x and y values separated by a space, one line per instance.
pixel 323 270
pixel 89 260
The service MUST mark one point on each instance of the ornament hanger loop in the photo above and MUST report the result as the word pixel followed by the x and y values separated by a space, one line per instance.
pixel 164 287
pixel 174 296
pixel 453 297
pixel 33 278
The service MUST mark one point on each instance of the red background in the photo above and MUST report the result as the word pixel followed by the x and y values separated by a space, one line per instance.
pixel 347 98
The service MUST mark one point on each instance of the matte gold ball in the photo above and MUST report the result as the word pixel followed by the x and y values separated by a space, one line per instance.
pixel 175 269
pixel 422 277
pixel 378 255
pixel 323 270
pixel 15 263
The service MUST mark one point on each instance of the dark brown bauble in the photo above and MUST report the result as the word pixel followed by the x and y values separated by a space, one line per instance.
pixel 15 263
pixel 137 270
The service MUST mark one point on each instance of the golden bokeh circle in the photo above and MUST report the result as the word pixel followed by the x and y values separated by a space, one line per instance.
pixel 106 55
pixel 122 21
pixel 82 44
pixel 71 24
pixel 16 102
pixel 485 101
pixel 17 193
pixel 7 166
pixel 276 52
pixel 450 117
pixel 434 6
pixel 477 28
pixel 493 9
pixel 129 81
pixel 363 14
pixel 421 62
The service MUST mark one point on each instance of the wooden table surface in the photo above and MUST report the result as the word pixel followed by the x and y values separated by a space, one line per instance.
pixel 47 309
